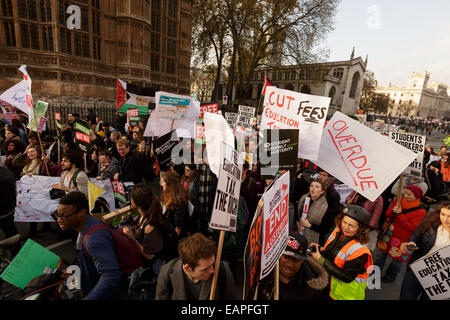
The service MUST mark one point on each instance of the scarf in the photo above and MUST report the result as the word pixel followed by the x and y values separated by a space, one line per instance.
pixel 409 204
pixel 33 167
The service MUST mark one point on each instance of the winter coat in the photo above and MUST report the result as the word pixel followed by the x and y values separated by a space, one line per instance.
pixel 310 283
pixel 445 172
pixel 402 227
pixel 109 172
pixel 316 212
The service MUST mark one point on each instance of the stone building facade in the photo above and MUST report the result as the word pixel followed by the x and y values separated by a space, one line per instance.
pixel 340 80
pixel 145 42
pixel 419 97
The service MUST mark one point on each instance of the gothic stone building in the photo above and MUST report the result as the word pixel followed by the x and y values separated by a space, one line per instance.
pixel 145 42
pixel 340 80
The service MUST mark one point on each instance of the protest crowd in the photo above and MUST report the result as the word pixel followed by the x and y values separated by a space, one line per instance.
pixel 167 250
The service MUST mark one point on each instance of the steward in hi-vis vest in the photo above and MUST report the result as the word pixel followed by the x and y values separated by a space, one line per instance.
pixel 346 256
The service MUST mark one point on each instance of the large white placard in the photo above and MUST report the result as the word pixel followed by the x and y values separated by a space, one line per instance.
pixel 285 109
pixel 216 132
pixel 433 273
pixel 360 157
pixel 226 202
pixel 415 143
pixel 275 223
pixel 171 106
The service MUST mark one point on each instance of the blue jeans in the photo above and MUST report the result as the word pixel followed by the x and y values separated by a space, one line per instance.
pixel 394 267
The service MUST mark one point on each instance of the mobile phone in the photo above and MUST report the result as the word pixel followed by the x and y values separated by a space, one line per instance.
pixel 312 249
pixel 412 247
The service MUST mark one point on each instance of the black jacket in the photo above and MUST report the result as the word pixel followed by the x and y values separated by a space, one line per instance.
pixel 7 192
pixel 310 283
pixel 131 168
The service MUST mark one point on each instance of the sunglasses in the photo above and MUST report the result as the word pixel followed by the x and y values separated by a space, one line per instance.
pixel 63 217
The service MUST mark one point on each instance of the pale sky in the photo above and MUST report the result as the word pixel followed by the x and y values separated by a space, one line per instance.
pixel 399 36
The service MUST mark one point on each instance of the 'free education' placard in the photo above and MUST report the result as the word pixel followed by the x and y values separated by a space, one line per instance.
pixel 433 273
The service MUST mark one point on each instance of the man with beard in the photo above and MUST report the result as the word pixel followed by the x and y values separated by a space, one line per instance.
pixel 73 178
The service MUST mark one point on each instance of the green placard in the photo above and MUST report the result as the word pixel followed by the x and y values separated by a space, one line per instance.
pixel 29 263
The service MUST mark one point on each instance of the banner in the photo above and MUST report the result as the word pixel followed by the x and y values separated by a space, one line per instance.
pixel 275 223
pixel 280 146
pixel 131 96
pixel 284 109
pixel 416 144
pixel 216 132
pixel 82 132
pixel 17 96
pixel 433 273
pixel 252 254
pixel 163 146
pixel 171 106
pixel 10 116
pixel 360 157
pixel 226 201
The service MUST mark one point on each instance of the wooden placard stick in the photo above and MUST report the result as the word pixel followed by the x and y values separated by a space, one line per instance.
pixel 217 266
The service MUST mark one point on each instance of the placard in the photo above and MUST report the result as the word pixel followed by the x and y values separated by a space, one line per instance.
pixel 171 106
pixel 226 201
pixel 432 271
pixel 275 223
pixel 82 132
pixel 285 109
pixel 213 107
pixel 415 143
pixel 245 117
pixel 360 157
pixel 163 146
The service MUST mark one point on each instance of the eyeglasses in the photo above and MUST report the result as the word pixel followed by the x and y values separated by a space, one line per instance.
pixel 65 217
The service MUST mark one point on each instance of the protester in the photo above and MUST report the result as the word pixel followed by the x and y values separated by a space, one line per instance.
pixel 130 163
pixel 174 201
pixel 73 178
pixel 8 195
pixel 12 132
pixel 92 167
pixel 96 257
pixel 152 237
pixel 189 277
pixel 431 235
pixel 445 170
pixel 312 226
pixel 190 183
pixel 375 208
pixel 35 163
pixel 206 194
pixel 249 189
pixel 107 166
pixel 301 277
pixel 433 176
pixel 345 256
pixel 15 159
pixel 402 218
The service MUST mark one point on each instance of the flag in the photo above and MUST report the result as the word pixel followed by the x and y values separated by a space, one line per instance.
pixel 131 96
pixel 94 192
pixel 28 96
pixel 266 84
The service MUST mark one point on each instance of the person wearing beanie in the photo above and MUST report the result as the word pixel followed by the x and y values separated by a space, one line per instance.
pixel 402 218
pixel 301 277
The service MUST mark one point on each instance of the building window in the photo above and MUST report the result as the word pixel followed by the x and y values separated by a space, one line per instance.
pixel 170 68
pixel 47 38
pixel 84 19
pixel 338 72
pixel 27 9
pixel 156 4
pixel 172 48
pixel 305 89
pixel 355 82
pixel 155 62
pixel 172 28
pixel 156 21
pixel 332 93
pixel 173 8
pixel 96 44
pixel 10 34
pixel 46 10
pixel 29 36
pixel 7 8
pixel 95 22
pixel 156 39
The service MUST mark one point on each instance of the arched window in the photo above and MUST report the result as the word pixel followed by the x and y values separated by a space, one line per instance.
pixel 305 89
pixel 332 93
pixel 289 87
pixel 355 81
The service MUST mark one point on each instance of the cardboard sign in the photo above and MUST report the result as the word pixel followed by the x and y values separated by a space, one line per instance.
pixel 416 144
pixel 82 132
pixel 163 147
pixel 232 118
pixel 252 255
pixel 119 191
pixel 39 111
pixel 432 271
pixel 245 117
pixel 171 106
pixel 200 133
pixel 226 202
pixel 214 108
pixel 275 223
pixel 360 157
pixel 10 116
pixel 280 150
pixel 284 109
pixel 216 132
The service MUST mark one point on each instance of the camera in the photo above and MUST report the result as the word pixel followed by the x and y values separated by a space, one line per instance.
pixel 312 249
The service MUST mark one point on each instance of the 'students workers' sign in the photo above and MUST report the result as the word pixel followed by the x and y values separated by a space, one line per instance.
pixel 433 273
pixel 416 144
pixel 275 223
pixel 360 157
pixel 284 109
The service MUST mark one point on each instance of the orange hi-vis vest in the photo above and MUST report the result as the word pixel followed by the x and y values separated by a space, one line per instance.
pixel 354 290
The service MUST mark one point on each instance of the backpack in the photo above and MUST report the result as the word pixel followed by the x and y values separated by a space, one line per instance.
pixel 127 252
pixel 74 177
